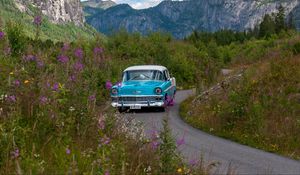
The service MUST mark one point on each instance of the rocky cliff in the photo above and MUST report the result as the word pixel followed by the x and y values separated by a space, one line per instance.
pixel 58 11
pixel 182 17
pixel 102 4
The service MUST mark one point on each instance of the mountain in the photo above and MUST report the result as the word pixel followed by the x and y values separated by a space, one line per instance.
pixel 58 11
pixel 62 20
pixel 101 4
pixel 180 18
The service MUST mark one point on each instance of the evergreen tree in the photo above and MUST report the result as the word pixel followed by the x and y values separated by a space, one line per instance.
pixel 291 22
pixel 280 19
pixel 267 27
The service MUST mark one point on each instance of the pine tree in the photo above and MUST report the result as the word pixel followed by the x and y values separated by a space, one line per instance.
pixel 280 19
pixel 291 22
pixel 267 27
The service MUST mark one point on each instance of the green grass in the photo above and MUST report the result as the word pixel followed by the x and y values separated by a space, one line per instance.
pixel 262 110
pixel 54 32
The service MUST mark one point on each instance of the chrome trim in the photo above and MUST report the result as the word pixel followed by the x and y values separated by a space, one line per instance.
pixel 169 88
pixel 155 104
pixel 138 96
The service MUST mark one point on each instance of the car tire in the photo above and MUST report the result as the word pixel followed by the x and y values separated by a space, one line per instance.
pixel 122 109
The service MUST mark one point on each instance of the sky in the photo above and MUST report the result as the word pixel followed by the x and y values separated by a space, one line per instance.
pixel 138 4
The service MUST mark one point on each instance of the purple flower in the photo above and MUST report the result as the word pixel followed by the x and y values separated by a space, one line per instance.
pixel 37 20
pixel 108 85
pixel 7 51
pixel 92 97
pixel 72 78
pixel 43 100
pixel 2 34
pixel 180 141
pixel 29 58
pixel 98 50
pixel 63 59
pixel 17 83
pixel 65 47
pixel 48 84
pixel 105 140
pixel 40 64
pixel 106 172
pixel 68 151
pixel 55 87
pixel 154 134
pixel 12 98
pixel 193 162
pixel 79 53
pixel 155 145
pixel 15 154
pixel 78 66
pixel 101 124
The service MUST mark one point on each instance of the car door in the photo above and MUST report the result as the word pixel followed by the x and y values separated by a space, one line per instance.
pixel 169 89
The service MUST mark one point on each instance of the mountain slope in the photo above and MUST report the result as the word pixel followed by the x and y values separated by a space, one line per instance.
pixel 182 17
pixel 58 11
pixel 64 31
pixel 99 4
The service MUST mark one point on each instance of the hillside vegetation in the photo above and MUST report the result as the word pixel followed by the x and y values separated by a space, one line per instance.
pixel 263 108
pixel 54 105
pixel 48 30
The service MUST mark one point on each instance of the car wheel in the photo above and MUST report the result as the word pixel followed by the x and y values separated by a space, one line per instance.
pixel 122 109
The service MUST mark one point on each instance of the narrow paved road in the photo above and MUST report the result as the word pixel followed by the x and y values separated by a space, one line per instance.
pixel 243 159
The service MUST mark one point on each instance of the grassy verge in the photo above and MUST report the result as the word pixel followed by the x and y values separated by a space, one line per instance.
pixel 262 110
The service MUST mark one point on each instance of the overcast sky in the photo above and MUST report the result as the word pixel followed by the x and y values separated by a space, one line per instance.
pixel 138 4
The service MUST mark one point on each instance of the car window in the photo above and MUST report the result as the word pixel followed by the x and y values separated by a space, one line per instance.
pixel 167 75
pixel 143 75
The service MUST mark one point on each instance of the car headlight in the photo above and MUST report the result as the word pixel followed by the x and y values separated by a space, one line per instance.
pixel 114 91
pixel 158 91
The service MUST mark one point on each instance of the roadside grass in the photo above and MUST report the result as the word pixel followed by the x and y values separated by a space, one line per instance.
pixel 262 110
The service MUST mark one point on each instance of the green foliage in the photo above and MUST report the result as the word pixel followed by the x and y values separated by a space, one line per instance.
pixel 168 158
pixel 16 38
pixel 184 61
pixel 296 48
pixel 280 19
pixel 267 27
pixel 253 110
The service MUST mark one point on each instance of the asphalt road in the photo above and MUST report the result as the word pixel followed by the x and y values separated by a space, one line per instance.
pixel 242 159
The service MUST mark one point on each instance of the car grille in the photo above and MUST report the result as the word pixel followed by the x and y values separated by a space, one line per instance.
pixel 139 99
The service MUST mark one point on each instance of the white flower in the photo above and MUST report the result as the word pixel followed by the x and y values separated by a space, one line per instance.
pixel 71 109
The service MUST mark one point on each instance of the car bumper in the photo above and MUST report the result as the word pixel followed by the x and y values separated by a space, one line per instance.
pixel 150 104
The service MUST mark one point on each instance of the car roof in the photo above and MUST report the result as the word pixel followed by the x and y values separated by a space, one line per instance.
pixel 146 67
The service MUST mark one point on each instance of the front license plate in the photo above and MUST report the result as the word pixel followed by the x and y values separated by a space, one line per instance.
pixel 136 107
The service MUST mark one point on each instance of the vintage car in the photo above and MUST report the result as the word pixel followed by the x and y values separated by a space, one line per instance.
pixel 144 86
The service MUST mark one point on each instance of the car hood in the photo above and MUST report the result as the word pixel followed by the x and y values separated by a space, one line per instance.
pixel 139 87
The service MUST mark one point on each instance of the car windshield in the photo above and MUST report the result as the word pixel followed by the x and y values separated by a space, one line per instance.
pixel 143 75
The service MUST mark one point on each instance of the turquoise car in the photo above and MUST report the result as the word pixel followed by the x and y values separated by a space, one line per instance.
pixel 144 86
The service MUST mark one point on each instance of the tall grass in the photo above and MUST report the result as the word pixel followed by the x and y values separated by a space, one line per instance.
pixel 262 110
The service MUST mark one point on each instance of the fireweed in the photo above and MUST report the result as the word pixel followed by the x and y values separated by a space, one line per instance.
pixel 78 53
pixel 37 20
pixel 63 59
pixel 2 34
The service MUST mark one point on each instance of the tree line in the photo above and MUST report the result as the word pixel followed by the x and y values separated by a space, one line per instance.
pixel 272 24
